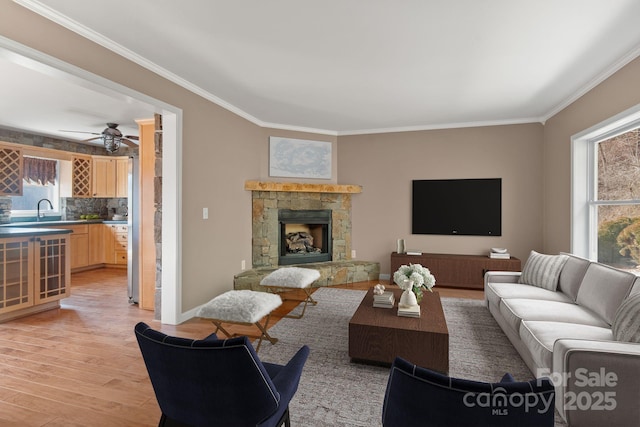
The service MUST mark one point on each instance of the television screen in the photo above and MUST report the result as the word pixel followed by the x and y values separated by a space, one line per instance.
pixel 467 207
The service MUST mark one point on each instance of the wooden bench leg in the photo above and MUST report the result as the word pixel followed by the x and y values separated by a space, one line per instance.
pixel 264 334
pixel 307 300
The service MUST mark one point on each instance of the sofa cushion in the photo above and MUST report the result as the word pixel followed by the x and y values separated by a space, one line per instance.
pixel 540 336
pixel 494 292
pixel 603 288
pixel 516 310
pixel 626 325
pixel 571 275
pixel 543 270
pixel 635 289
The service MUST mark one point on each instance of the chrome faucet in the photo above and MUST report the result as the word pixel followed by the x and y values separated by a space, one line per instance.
pixel 42 200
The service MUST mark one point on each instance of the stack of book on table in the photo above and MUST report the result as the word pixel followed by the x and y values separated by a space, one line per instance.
pixel 384 300
pixel 409 311
pixel 499 253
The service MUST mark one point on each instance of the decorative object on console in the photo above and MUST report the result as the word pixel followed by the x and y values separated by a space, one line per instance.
pixel 400 246
pixel 421 277
pixel 499 253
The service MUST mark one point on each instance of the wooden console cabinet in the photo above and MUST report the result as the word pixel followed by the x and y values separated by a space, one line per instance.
pixel 456 271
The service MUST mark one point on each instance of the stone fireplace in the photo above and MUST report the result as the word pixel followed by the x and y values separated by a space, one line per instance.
pixel 320 211
pixel 270 200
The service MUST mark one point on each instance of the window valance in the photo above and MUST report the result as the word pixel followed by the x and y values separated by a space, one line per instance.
pixel 39 171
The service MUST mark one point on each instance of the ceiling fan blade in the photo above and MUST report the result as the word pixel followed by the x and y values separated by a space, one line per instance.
pixel 135 138
pixel 129 142
pixel 92 139
pixel 79 131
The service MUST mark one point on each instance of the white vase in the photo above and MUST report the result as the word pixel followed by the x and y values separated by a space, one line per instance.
pixel 408 298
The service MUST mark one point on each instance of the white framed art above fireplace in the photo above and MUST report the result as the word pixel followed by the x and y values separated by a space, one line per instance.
pixel 299 158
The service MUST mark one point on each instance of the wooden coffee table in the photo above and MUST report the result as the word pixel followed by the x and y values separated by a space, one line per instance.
pixel 378 335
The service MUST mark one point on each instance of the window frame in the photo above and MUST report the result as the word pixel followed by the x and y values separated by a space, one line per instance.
pixel 584 180
pixel 55 200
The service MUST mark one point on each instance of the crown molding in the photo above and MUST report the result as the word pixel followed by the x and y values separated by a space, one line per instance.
pixel 40 8
pixel 608 72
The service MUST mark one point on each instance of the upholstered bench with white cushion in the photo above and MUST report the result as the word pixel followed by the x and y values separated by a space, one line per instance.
pixel 288 278
pixel 244 308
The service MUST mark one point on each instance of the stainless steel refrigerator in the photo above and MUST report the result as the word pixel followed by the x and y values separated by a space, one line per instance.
pixel 133 220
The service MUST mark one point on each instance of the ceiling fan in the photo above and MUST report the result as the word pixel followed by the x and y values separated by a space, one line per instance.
pixel 111 137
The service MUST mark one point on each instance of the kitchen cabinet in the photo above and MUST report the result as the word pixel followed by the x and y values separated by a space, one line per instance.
pixel 36 273
pixel 109 176
pixel 122 176
pixel 79 244
pixel 81 176
pixel 104 176
pixel 10 170
pixel 116 247
pixel 96 243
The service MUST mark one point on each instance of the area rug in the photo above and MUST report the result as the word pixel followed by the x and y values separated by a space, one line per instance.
pixel 335 392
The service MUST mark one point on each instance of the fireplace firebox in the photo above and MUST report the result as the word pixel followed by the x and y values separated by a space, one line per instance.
pixel 305 236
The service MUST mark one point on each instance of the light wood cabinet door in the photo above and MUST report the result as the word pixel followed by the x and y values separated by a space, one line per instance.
pixel 79 252
pixel 16 284
pixel 109 244
pixel 122 176
pixel 10 171
pixel 104 176
pixel 52 269
pixel 96 243
pixel 82 176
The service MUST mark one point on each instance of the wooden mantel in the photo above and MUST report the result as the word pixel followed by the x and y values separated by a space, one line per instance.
pixel 301 187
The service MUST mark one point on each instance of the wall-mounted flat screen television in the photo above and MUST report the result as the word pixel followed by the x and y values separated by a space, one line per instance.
pixel 464 207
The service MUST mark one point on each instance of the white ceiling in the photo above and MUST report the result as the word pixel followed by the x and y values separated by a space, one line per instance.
pixel 352 66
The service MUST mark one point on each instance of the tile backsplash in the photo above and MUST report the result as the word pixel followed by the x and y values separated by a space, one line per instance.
pixel 73 207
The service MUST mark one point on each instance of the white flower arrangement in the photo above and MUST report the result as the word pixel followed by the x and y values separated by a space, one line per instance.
pixel 421 277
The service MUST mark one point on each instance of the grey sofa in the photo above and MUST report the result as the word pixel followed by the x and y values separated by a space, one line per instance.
pixel 567 335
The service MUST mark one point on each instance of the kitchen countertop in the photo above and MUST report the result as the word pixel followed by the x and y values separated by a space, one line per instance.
pixel 7 232
pixel 44 224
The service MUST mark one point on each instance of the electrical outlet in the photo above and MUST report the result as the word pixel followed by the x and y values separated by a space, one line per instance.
pixel 243 265
pixel 205 213
pixel 353 253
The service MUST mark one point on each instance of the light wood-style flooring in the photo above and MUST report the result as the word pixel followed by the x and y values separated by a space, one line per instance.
pixel 80 365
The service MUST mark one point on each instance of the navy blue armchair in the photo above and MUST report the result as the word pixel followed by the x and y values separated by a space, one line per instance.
pixel 417 396
pixel 213 382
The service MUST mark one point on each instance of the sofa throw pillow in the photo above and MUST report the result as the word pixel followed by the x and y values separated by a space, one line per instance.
pixel 626 324
pixel 543 270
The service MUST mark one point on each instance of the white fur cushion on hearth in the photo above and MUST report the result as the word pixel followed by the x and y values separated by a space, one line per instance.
pixel 291 277
pixel 240 306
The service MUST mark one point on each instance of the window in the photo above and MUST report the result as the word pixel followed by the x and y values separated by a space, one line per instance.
pixel 33 190
pixel 606 192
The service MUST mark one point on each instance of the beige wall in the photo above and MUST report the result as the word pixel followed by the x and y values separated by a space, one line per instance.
pixel 616 94
pixel 221 151
pixel 385 165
